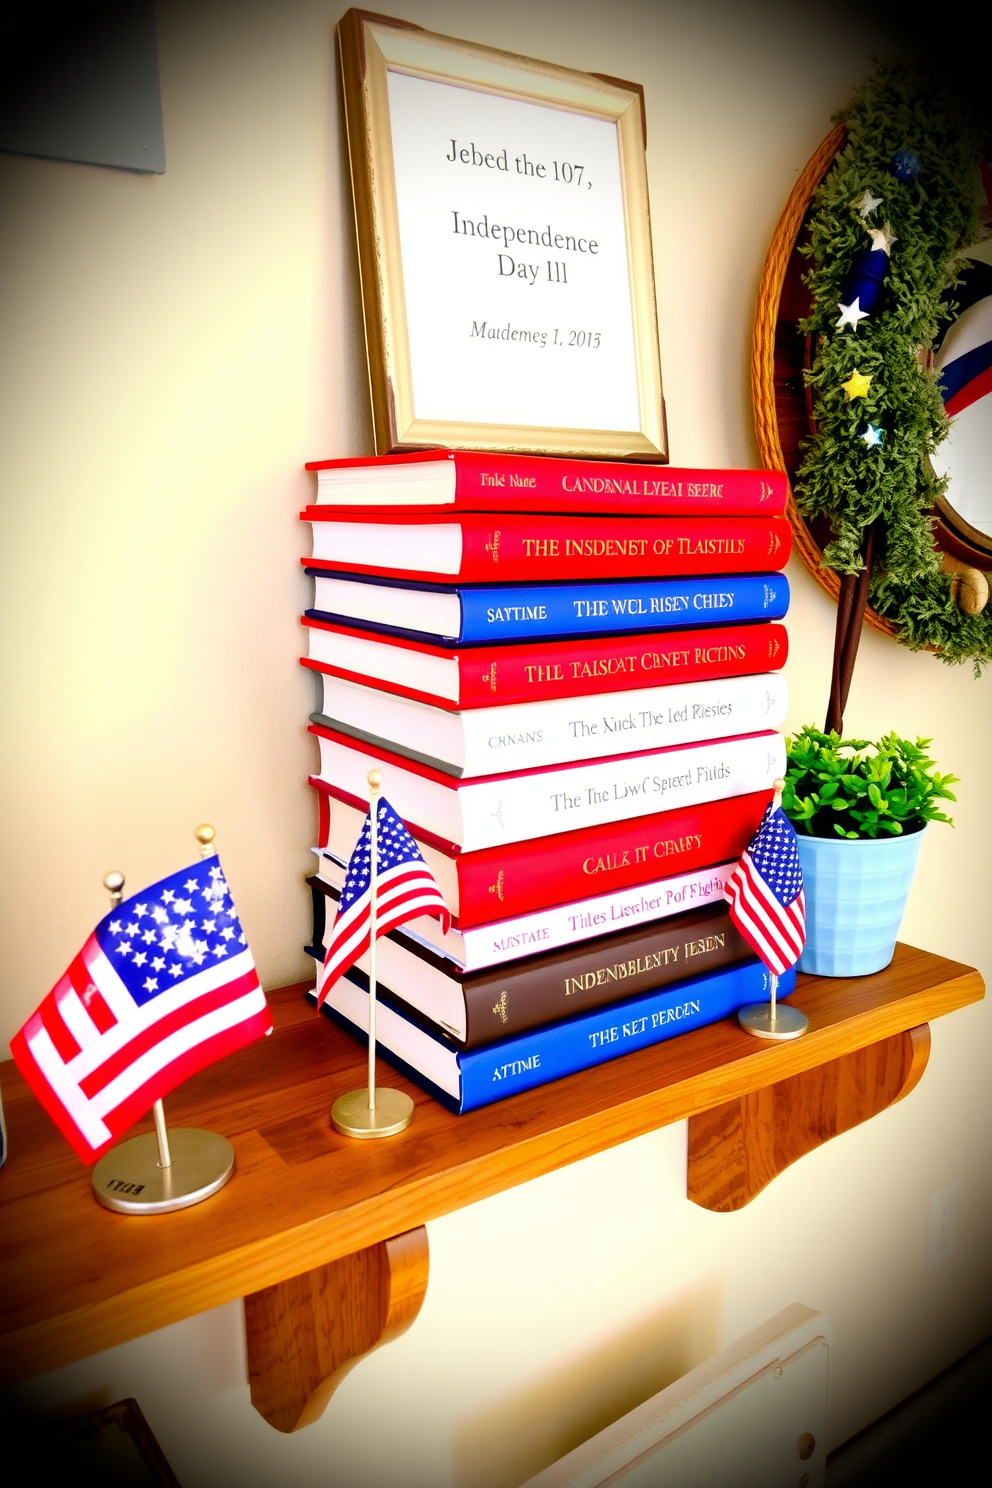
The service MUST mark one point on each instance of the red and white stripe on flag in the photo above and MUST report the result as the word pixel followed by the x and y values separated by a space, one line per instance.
pixel 776 932
pixel 97 1060
pixel 403 893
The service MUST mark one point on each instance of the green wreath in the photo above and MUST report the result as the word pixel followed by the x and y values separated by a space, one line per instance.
pixel 878 412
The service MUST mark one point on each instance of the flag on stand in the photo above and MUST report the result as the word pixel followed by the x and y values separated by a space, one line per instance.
pixel 163 987
pixel 405 889
pixel 765 893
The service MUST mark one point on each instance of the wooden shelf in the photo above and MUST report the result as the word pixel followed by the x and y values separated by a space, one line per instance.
pixel 340 1215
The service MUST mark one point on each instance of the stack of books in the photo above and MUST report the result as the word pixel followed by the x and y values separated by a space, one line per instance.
pixel 568 672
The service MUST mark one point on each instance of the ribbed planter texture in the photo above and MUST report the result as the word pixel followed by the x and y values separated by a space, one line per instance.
pixel 856 893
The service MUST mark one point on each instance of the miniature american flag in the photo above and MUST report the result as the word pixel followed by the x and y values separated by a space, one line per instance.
pixel 163 987
pixel 405 889
pixel 765 893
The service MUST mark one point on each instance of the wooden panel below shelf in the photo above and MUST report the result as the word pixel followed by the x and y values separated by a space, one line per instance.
pixel 76 1278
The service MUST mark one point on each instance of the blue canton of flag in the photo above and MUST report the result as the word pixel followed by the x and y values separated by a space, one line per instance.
pixel 158 939
pixel 405 888
pixel 163 987
pixel 765 893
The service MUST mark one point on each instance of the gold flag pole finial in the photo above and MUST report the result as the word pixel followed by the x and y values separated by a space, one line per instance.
pixel 372 1113
pixel 205 835
pixel 113 882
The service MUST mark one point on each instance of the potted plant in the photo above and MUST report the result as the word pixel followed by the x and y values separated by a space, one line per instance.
pixel 860 810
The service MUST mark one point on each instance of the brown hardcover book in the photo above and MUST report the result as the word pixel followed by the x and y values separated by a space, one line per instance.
pixel 480 1007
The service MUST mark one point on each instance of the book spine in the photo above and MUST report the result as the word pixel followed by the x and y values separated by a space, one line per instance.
pixel 525 482
pixel 525 736
pixel 567 924
pixel 518 808
pixel 609 969
pixel 512 548
pixel 505 1069
pixel 525 673
pixel 501 883
pixel 533 612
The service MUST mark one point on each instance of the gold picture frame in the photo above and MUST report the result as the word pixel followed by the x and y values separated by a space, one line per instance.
pixel 453 335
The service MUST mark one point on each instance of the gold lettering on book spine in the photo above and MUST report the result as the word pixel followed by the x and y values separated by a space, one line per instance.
pixel 500 1007
pixel 497 887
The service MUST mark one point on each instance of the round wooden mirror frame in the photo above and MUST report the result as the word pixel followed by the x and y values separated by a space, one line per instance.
pixel 783 410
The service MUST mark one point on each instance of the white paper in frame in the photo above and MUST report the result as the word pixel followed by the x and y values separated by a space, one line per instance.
pixel 504 244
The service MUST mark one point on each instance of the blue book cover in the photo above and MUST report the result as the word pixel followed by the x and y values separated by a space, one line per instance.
pixel 466 1080
pixel 523 612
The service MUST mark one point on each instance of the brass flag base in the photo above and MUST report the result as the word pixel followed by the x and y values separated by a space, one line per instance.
pixel 130 1178
pixel 779 1022
pixel 350 1114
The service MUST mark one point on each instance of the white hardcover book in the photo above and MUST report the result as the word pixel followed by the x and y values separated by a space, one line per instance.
pixel 548 929
pixel 489 812
pixel 527 736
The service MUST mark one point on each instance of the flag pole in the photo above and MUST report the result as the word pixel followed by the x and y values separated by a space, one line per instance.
pixel 371 1112
pixel 113 882
pixel 158 1173
pixel 768 1020
pixel 375 781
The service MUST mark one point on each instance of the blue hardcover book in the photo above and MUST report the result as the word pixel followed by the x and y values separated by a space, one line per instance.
pixel 463 1080
pixel 474 614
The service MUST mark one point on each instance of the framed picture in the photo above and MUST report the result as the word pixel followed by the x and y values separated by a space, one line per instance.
pixel 505 248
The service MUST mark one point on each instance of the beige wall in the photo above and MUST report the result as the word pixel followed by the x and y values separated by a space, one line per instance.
pixel 175 348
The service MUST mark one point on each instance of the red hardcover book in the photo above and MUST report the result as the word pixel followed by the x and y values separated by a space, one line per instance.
pixel 471 480
pixel 496 883
pixel 486 676
pixel 476 548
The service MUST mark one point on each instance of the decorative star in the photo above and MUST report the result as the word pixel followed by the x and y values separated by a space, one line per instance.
pixel 866 203
pixel 150 984
pixel 873 436
pixel 856 386
pixel 851 314
pixel 882 238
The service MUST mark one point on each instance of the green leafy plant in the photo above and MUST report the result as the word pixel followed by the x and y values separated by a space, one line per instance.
pixel 838 787
pixel 891 484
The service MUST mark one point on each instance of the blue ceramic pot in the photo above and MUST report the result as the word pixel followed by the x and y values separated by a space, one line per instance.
pixel 855 897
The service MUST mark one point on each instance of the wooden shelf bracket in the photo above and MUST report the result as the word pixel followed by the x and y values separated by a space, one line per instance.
pixel 736 1149
pixel 305 1334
